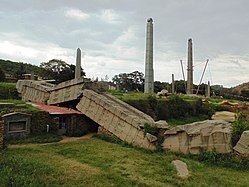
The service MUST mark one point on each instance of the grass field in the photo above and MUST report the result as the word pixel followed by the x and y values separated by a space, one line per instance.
pixel 95 162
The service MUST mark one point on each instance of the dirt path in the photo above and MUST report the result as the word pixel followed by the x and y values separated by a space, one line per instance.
pixel 65 139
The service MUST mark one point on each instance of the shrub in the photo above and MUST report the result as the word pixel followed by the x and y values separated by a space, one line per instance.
pixel 177 107
pixel 223 160
pixel 239 126
pixel 149 129
pixel 8 91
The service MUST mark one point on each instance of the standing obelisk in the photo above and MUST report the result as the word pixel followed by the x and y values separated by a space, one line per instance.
pixel 190 68
pixel 208 90
pixel 78 64
pixel 149 72
pixel 173 84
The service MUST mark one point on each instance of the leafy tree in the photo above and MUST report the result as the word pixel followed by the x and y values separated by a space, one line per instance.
pixel 2 75
pixel 245 93
pixel 180 86
pixel 20 71
pixel 130 81
pixel 59 70
pixel 158 86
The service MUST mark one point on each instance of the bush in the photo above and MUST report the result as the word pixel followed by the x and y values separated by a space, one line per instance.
pixel 8 91
pixel 224 160
pixel 174 107
pixel 239 126
pixel 151 130
pixel 42 138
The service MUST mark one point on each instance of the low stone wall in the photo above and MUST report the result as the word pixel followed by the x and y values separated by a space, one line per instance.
pixel 117 119
pixel 1 133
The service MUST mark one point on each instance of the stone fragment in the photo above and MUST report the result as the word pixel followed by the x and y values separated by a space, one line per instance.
pixel 224 115
pixel 151 137
pixel 242 147
pixel 163 92
pixel 182 168
pixel 162 124
pixel 193 138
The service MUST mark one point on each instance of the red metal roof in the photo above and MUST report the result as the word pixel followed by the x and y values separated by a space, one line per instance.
pixel 56 110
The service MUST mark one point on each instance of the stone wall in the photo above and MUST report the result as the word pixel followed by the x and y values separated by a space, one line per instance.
pixel 39 122
pixel 1 133
pixel 118 118
pixel 16 132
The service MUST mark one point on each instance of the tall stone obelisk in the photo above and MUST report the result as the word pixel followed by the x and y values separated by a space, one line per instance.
pixel 78 64
pixel 190 68
pixel 149 72
pixel 208 90
pixel 173 84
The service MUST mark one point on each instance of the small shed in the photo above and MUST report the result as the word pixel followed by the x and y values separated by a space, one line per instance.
pixel 16 125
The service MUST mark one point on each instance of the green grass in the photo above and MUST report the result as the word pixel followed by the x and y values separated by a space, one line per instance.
pixel 95 162
pixel 175 122
pixel 5 85
pixel 40 138
pixel 19 106
pixel 14 101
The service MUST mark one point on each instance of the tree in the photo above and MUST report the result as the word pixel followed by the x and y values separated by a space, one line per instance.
pixel 59 70
pixel 2 75
pixel 20 71
pixel 130 81
pixel 180 86
pixel 159 86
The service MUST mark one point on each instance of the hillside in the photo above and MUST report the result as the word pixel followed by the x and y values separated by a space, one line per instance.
pixel 10 67
pixel 241 87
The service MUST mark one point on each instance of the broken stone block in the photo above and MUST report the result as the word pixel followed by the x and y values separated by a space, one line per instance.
pixel 242 147
pixel 209 135
pixel 224 115
pixel 151 137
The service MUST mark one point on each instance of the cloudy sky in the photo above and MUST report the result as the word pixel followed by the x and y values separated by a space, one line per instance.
pixel 111 34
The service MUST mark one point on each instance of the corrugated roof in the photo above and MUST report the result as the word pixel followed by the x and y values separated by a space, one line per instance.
pixel 56 110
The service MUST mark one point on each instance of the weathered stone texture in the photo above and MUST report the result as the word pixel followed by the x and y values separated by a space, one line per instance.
pixel 193 138
pixel 36 91
pixel 116 117
pixel 66 91
pixel 1 133
pixel 242 147
pixel 181 168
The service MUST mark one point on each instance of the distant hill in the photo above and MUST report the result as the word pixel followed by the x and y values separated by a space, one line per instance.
pixel 10 67
pixel 242 89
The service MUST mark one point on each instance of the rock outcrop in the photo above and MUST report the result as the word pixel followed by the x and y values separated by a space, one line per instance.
pixel 193 138
pixel 224 115
pixel 242 147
